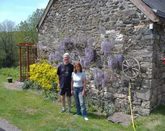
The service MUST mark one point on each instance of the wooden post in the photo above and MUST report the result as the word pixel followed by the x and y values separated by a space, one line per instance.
pixel 28 63
pixel 20 63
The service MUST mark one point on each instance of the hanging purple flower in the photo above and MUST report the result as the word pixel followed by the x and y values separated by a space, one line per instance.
pixel 55 56
pixel 119 58
pixel 50 57
pixel 115 62
pixel 82 40
pixel 68 43
pixel 86 63
pixel 103 83
pixel 106 46
pixel 98 76
pixel 58 56
pixel 82 61
pixel 107 77
pixel 67 40
pixel 89 54
pixel 61 46
pixel 112 62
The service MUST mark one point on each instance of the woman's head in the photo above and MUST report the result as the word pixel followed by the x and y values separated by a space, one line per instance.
pixel 77 67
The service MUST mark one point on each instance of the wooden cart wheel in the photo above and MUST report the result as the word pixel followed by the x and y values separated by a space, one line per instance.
pixel 131 68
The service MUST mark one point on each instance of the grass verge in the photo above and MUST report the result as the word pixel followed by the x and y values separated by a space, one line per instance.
pixel 29 111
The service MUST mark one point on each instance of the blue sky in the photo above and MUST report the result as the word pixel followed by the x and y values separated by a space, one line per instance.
pixel 19 10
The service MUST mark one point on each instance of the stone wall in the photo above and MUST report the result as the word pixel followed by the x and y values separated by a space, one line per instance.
pixel 158 83
pixel 80 27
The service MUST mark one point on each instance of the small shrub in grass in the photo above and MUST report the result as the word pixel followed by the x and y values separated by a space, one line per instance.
pixel 28 84
pixel 52 94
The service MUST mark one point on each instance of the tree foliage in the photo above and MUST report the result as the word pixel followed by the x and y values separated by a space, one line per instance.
pixel 27 29
pixel 7 44
pixel 11 35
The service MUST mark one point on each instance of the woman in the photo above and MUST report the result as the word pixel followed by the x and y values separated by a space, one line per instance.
pixel 78 86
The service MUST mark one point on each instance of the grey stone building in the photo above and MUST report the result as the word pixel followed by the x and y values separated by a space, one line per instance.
pixel 100 34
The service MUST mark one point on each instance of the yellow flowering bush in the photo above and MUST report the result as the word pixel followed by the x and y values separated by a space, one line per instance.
pixel 43 74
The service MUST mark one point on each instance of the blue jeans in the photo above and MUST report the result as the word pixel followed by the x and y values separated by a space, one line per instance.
pixel 80 103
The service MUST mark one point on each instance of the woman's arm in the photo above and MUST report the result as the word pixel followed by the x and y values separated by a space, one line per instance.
pixel 84 86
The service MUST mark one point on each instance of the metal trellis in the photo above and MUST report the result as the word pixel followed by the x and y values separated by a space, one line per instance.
pixel 27 56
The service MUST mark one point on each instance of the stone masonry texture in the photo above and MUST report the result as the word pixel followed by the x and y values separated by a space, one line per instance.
pixel 86 23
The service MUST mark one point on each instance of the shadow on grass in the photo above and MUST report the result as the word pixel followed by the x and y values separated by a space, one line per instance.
pixel 159 110
pixel 95 115
pixel 92 115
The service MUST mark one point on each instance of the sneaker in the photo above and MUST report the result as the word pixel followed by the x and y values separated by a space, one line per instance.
pixel 85 118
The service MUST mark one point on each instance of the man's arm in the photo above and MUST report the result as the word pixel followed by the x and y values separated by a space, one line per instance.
pixel 58 73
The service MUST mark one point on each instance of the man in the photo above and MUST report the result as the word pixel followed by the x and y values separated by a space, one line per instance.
pixel 65 72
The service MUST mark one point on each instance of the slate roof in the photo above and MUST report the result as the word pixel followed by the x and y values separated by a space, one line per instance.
pixel 158 6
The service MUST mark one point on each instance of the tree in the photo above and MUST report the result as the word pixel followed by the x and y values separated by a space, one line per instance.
pixel 7 44
pixel 10 35
pixel 27 28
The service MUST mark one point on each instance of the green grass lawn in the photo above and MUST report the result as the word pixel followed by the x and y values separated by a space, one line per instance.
pixel 31 112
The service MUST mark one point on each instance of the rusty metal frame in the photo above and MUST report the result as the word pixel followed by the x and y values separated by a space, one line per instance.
pixel 27 56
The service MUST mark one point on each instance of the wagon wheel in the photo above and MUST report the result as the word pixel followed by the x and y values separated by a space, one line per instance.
pixel 131 68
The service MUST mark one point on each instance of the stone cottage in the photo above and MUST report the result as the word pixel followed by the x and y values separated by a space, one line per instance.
pixel 103 33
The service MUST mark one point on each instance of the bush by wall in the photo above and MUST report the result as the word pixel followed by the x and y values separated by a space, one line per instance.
pixel 43 74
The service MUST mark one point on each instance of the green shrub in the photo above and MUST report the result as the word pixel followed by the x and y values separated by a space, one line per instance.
pixel 28 84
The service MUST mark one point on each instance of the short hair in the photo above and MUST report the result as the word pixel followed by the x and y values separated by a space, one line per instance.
pixel 75 65
pixel 66 55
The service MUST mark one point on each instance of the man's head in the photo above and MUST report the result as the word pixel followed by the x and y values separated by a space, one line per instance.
pixel 66 58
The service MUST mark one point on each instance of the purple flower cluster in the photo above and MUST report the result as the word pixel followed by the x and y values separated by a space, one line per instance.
pixel 66 44
pixel 88 58
pixel 115 62
pixel 106 78
pixel 89 54
pixel 120 59
pixel 61 46
pixel 101 78
pixel 80 41
pixel 84 62
pixel 55 56
pixel 106 46
pixel 98 77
